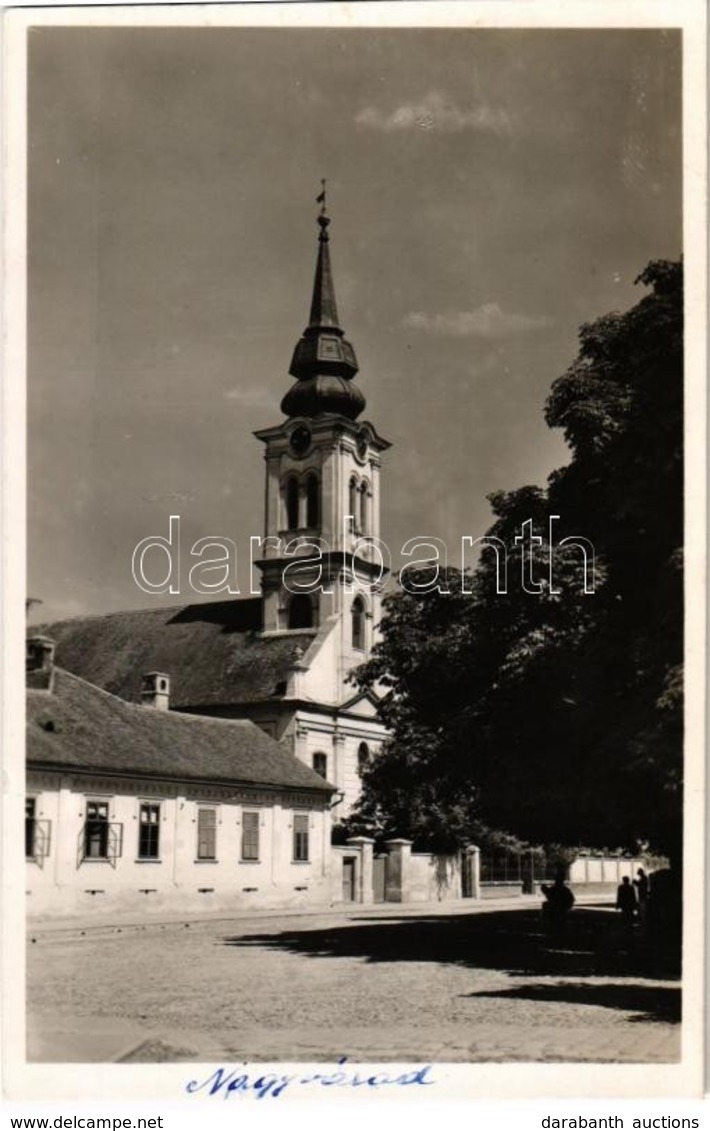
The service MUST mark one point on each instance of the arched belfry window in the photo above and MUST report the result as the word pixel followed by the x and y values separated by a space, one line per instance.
pixel 292 503
pixel 353 509
pixel 320 764
pixel 358 623
pixel 364 507
pixel 312 502
pixel 363 757
pixel 300 611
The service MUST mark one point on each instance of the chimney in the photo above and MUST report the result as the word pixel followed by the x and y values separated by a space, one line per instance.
pixel 156 691
pixel 39 656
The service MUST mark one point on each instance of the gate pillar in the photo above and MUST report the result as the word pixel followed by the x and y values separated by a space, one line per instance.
pixel 472 863
pixel 363 845
pixel 397 870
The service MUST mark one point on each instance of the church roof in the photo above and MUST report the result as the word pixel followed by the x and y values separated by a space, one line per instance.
pixel 214 653
pixel 79 726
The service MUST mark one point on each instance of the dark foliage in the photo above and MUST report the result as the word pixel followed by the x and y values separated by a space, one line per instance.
pixel 556 714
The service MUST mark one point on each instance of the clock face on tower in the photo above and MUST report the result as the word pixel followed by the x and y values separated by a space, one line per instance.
pixel 300 440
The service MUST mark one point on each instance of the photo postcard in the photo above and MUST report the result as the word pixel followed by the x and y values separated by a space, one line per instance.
pixel 354 542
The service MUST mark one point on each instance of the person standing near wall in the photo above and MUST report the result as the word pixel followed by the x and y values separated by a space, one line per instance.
pixel 559 902
pixel 642 893
pixel 626 902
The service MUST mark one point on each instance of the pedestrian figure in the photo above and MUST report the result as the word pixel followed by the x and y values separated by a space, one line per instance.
pixel 559 901
pixel 642 895
pixel 626 902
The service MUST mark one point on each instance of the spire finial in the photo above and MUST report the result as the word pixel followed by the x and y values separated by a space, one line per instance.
pixel 323 218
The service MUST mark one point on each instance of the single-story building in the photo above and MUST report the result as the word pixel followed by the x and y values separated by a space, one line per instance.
pixel 145 808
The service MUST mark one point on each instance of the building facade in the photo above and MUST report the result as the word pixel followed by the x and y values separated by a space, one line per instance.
pixel 141 809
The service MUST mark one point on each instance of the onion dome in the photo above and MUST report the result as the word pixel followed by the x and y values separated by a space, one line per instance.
pixel 323 362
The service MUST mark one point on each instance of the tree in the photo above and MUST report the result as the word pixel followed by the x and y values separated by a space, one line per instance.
pixel 557 714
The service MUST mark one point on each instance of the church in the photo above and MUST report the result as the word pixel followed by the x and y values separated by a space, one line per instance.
pixel 200 757
pixel 280 660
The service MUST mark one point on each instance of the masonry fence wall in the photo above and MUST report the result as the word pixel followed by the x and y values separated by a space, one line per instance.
pixel 398 875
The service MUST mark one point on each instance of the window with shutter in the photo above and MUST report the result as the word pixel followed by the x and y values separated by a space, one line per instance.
pixel 30 814
pixel 250 836
pixel 300 837
pixel 206 834
pixel 149 832
pixel 96 830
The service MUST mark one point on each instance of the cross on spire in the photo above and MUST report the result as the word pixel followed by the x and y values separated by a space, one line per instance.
pixel 320 199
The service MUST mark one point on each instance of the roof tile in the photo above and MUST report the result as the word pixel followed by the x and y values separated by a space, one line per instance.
pixel 214 653
pixel 80 726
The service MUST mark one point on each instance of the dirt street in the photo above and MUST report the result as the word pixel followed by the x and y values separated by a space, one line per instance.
pixel 369 985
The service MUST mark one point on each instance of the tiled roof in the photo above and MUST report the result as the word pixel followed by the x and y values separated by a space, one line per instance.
pixel 77 725
pixel 214 653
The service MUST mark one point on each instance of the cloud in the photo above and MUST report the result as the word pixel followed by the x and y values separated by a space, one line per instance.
pixel 250 397
pixel 487 321
pixel 435 112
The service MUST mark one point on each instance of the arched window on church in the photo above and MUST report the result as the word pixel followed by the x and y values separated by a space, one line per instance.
pixel 292 503
pixel 312 502
pixel 300 611
pixel 364 507
pixel 357 613
pixel 320 764
pixel 363 758
pixel 354 510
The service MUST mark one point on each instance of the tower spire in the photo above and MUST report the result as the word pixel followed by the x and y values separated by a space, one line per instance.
pixel 324 311
pixel 323 362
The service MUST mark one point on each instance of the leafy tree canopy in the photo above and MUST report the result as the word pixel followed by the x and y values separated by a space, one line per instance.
pixel 547 711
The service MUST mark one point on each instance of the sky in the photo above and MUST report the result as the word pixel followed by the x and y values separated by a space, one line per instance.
pixel 490 191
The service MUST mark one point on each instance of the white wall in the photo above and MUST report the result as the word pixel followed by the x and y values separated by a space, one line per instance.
pixel 433 878
pixel 339 738
pixel 603 869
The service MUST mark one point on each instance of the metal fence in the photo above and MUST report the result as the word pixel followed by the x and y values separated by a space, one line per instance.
pixel 517 868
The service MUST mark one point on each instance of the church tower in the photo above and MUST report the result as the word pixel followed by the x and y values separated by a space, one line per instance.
pixel 321 563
